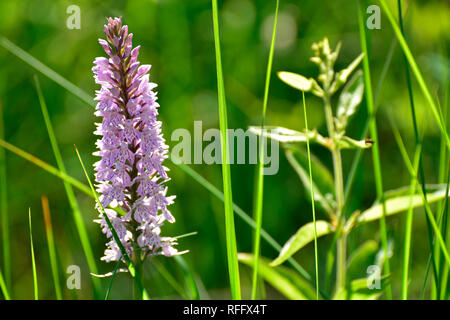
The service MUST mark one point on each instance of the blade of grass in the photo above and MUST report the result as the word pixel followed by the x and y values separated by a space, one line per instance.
pixel 51 246
pixel 33 260
pixel 170 279
pixel 133 272
pixel 418 142
pixel 44 165
pixel 113 277
pixel 409 215
pixel 3 287
pixel 76 212
pixel 6 245
pixel 416 71
pixel 35 63
pixel 260 183
pixel 375 147
pixel 189 277
pixel 428 211
pixel 316 261
pixel 233 266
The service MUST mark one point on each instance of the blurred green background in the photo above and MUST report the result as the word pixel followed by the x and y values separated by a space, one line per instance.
pixel 176 37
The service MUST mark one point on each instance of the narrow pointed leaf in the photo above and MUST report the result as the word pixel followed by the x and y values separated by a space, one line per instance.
pixel 322 182
pixel 301 238
pixel 285 280
pixel 399 204
pixel 350 99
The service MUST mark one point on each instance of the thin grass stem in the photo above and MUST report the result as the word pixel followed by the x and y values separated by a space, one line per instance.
pixel 76 212
pixel 33 259
pixel 51 246
pixel 260 183
pixel 233 266
pixel 375 147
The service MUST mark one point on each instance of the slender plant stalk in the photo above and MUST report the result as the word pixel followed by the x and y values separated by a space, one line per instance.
pixel 417 142
pixel 4 217
pixel 233 266
pixel 51 246
pixel 409 213
pixel 416 71
pixel 134 271
pixel 375 147
pixel 262 146
pixel 76 212
pixel 33 259
pixel 316 257
pixel 113 277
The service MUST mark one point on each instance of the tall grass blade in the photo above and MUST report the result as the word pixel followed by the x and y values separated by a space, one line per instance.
pixel 133 272
pixel 316 258
pixel 3 287
pixel 38 65
pixel 418 141
pixel 51 246
pixel 189 278
pixel 76 212
pixel 233 266
pixel 33 260
pixel 44 165
pixel 4 217
pixel 416 71
pixel 409 215
pixel 260 182
pixel 375 148
pixel 113 277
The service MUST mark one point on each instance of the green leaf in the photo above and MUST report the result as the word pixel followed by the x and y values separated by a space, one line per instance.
pixel 295 80
pixel 362 257
pixel 350 99
pixel 285 135
pixel 322 181
pixel 358 290
pixel 342 76
pixel 285 280
pixel 301 83
pixel 301 238
pixel 399 204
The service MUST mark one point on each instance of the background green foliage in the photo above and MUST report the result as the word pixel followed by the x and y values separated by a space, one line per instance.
pixel 176 37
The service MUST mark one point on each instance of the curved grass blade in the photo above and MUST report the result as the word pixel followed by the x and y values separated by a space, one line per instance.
pixel 4 217
pixel 375 148
pixel 76 212
pixel 416 71
pixel 47 167
pixel 170 279
pixel 233 267
pixel 131 268
pixel 305 234
pixel 33 260
pixel 260 183
pixel 316 258
pixel 113 277
pixel 3 287
pixel 35 63
pixel 281 278
pixel 189 278
pixel 51 246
